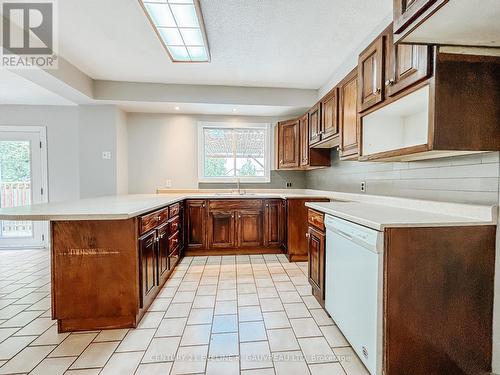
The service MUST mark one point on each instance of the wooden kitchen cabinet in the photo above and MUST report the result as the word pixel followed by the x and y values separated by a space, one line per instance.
pixel 274 225
pixel 316 254
pixel 249 228
pixel 221 229
pixel 348 117
pixel 371 74
pixel 288 144
pixel 406 65
pixel 148 268
pixel 329 117
pixel 163 252
pixel 196 213
pixel 304 139
pixel 315 124
pixel 407 11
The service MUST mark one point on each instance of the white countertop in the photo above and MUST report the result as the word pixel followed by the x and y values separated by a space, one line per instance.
pixel 379 217
pixel 374 211
pixel 123 206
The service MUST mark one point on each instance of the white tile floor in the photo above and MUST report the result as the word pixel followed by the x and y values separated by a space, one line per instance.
pixel 251 315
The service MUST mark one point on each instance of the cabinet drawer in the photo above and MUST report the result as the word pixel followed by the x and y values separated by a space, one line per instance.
pixel 150 221
pixel 173 242
pixel 174 224
pixel 174 209
pixel 235 204
pixel 316 219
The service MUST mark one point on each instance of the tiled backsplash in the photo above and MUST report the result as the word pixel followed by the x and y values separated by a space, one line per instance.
pixel 278 181
pixel 465 179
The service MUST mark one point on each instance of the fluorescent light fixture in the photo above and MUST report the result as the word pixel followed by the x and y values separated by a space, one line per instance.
pixel 179 25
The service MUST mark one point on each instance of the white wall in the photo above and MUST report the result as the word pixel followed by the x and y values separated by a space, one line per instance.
pixel 121 153
pixel 163 146
pixel 62 143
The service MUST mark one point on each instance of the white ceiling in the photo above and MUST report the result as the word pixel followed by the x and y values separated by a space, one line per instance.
pixel 18 90
pixel 266 43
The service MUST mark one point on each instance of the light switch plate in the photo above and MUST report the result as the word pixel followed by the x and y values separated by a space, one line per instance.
pixel 106 155
pixel 168 183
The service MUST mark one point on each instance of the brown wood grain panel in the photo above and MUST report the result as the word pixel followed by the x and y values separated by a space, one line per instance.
pixel 439 300
pixel 329 113
pixel 348 116
pixel 221 228
pixel 316 263
pixel 250 228
pixel 150 221
pixel 234 204
pixel 196 213
pixel 95 271
pixel 315 124
pixel 316 219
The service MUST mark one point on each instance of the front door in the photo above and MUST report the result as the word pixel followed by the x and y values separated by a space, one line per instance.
pixel 23 181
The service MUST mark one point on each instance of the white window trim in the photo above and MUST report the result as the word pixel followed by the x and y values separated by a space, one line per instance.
pixel 201 152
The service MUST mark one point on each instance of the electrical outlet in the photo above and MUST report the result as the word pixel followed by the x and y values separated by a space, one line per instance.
pixel 106 155
pixel 288 184
pixel 363 186
pixel 168 183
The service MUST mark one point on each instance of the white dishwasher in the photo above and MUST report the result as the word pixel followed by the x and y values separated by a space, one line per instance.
pixel 353 287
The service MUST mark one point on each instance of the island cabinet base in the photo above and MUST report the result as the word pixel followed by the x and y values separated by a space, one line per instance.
pixel 95 274
pixel 106 273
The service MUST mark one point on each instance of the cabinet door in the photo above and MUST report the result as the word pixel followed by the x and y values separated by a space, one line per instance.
pixel 304 139
pixel 221 229
pixel 315 124
pixel 370 74
pixel 163 250
pixel 196 213
pixel 148 267
pixel 250 233
pixel 329 123
pixel 407 65
pixel 348 116
pixel 289 144
pixel 273 223
pixel 316 257
pixel 407 11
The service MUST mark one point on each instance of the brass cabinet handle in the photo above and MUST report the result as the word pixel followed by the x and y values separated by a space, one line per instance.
pixel 389 82
pixel 307 235
pixel 378 90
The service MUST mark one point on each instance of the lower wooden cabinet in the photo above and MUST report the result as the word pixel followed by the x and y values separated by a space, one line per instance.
pixel 221 229
pixel 274 222
pixel 235 224
pixel 196 229
pixel 148 267
pixel 316 254
pixel 159 251
pixel 250 228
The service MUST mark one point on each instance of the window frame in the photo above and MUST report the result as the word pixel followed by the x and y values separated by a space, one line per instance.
pixel 232 179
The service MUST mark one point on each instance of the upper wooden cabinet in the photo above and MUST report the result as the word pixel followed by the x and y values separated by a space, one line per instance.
pixel 454 112
pixel 371 74
pixel 329 115
pixel 448 23
pixel 348 116
pixel 294 151
pixel 315 124
pixel 288 144
pixel 304 140
pixel 406 65
pixel 407 11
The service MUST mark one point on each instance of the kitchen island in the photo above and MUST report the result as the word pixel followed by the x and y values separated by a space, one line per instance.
pixel 110 256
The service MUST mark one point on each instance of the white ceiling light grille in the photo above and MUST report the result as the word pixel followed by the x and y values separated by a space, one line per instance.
pixel 179 25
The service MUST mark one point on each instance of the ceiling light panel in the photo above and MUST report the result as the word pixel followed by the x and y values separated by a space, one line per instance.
pixel 179 25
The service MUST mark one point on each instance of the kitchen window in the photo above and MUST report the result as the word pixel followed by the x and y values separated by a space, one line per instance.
pixel 228 152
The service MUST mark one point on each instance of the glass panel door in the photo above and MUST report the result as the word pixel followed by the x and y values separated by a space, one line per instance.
pixel 21 184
